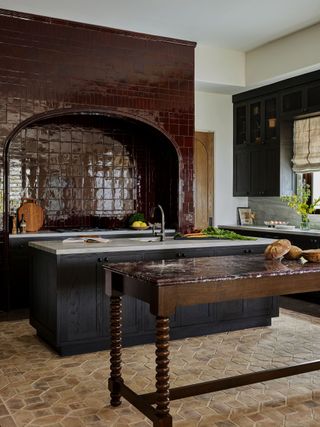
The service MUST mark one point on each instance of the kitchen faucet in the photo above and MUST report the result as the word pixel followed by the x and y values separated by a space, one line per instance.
pixel 162 232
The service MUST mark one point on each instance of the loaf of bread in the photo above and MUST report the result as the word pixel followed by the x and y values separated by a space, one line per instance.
pixel 312 255
pixel 294 253
pixel 277 249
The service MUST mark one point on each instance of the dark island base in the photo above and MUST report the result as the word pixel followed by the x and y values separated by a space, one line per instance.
pixel 70 311
pixel 100 344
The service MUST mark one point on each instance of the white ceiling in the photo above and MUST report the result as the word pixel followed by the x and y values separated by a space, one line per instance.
pixel 234 24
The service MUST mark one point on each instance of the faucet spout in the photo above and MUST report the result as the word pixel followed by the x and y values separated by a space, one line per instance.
pixel 162 231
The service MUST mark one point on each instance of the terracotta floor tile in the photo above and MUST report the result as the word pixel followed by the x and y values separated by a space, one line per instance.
pixel 39 388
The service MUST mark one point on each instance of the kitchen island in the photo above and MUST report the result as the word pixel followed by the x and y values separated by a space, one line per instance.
pixel 70 311
pixel 167 285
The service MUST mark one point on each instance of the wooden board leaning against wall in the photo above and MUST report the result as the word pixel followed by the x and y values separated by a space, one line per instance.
pixel 203 170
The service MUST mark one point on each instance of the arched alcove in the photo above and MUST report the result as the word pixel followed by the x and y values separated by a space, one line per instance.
pixel 91 169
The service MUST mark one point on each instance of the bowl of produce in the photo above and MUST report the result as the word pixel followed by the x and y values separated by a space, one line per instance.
pixel 137 221
pixel 139 225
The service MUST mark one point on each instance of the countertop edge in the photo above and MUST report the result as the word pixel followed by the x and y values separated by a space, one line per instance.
pixel 127 245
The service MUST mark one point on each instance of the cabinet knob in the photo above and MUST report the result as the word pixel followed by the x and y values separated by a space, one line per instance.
pixel 247 251
pixel 106 259
pixel 100 259
pixel 180 255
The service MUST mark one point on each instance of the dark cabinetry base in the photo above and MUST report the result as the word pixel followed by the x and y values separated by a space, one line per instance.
pixel 70 311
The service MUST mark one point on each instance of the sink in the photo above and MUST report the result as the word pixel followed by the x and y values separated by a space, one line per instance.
pixel 146 239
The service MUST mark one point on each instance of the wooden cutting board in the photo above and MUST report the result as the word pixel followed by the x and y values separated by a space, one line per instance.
pixel 33 214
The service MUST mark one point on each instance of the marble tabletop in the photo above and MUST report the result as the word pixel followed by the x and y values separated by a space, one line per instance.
pixel 211 269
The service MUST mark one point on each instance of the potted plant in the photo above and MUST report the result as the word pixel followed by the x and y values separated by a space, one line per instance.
pixel 300 203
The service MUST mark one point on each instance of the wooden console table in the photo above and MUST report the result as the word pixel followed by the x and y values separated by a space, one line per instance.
pixel 167 284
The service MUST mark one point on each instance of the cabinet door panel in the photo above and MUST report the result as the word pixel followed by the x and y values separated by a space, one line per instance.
pixel 313 97
pixel 272 171
pixel 200 313
pixel 292 101
pixel 79 294
pixel 229 310
pixel 258 173
pixel 241 172
pixel 259 306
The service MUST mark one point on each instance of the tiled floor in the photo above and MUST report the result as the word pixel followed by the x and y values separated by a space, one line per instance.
pixel 39 388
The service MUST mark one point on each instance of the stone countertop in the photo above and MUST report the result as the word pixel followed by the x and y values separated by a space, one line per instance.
pixel 264 228
pixel 139 244
pixel 210 269
pixel 106 233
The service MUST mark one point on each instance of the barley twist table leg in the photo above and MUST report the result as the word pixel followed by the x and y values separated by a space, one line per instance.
pixel 115 353
pixel 162 367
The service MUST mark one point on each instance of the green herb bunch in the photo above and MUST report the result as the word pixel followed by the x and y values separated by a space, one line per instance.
pixel 300 201
pixel 220 233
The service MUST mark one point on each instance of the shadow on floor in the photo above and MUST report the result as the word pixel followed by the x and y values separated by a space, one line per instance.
pixel 305 307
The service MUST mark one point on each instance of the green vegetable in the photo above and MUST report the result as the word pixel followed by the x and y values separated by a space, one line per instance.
pixel 220 233
pixel 136 217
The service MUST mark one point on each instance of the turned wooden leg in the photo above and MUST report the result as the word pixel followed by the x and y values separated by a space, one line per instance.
pixel 115 379
pixel 162 369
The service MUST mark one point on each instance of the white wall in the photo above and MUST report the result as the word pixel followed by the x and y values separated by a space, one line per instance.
pixel 295 54
pixel 217 68
pixel 214 114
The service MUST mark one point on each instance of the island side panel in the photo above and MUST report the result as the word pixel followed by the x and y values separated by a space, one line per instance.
pixel 43 295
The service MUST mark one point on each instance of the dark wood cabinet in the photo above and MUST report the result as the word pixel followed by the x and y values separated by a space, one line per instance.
pixel 241 124
pixel 257 155
pixel 293 101
pixel 256 121
pixel 265 171
pixel 257 171
pixel 70 311
pixel 263 118
pixel 301 100
pixel 313 97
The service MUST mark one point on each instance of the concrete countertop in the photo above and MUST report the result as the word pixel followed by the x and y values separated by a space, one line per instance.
pixel 138 244
pixel 107 233
pixel 296 231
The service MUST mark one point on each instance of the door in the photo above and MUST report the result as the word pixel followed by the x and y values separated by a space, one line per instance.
pixel 203 170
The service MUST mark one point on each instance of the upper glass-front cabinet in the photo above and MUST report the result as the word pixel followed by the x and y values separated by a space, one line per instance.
pixel 241 124
pixel 270 119
pixel 256 122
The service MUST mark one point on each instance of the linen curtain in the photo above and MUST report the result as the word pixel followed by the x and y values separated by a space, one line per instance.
pixel 306 145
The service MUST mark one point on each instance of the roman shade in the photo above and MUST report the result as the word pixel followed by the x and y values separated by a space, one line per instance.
pixel 306 145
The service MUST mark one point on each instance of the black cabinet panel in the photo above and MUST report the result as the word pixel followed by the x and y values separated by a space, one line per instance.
pixel 230 310
pixel 196 314
pixel 262 117
pixel 70 310
pixel 79 299
pixel 241 172
pixel 256 165
pixel 313 97
pixel 292 101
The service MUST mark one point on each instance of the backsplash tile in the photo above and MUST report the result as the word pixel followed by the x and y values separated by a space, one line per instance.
pixel 81 67
pixel 87 188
